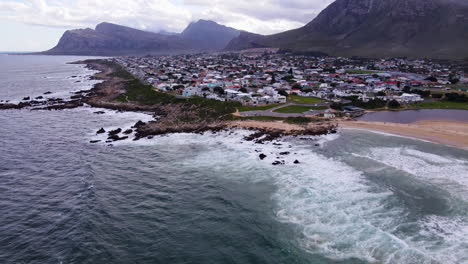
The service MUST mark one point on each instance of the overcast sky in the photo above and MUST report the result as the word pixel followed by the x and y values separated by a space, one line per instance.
pixel 34 25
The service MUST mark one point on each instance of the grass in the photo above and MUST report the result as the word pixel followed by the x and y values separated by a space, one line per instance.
pixel 256 108
pixel 293 109
pixel 444 104
pixel 361 71
pixel 304 100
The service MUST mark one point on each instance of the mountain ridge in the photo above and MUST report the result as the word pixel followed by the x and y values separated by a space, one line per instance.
pixel 377 28
pixel 108 39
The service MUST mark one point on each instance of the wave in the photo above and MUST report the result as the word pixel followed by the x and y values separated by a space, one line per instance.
pixel 336 211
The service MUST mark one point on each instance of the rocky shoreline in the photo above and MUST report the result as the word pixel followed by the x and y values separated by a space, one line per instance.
pixel 167 116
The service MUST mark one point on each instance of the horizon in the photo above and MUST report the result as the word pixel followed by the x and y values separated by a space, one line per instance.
pixel 37 25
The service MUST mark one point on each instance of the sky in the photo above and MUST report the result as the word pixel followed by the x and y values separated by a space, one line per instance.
pixel 36 25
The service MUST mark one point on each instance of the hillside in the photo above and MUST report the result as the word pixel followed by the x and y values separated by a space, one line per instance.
pixel 111 40
pixel 209 35
pixel 377 28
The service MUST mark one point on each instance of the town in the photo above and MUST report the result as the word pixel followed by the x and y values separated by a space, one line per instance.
pixel 267 83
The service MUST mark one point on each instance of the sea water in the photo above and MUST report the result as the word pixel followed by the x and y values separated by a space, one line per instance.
pixel 355 196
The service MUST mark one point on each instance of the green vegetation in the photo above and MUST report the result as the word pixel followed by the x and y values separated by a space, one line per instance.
pixel 361 71
pixel 290 120
pixel 200 108
pixel 304 100
pixel 371 104
pixel 256 108
pixel 298 109
pixel 444 104
pixel 301 120
pixel 260 118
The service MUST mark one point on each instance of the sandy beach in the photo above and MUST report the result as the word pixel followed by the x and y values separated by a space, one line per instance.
pixel 276 125
pixel 444 132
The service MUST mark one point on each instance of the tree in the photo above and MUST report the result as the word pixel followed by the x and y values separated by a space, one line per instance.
pixel 431 78
pixel 273 79
pixel 243 90
pixel 407 89
pixel 381 93
pixel 219 90
pixel 336 106
pixel 394 104
pixel 297 86
pixel 283 93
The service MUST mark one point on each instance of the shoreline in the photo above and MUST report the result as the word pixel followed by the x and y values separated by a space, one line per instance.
pixel 170 115
pixel 444 132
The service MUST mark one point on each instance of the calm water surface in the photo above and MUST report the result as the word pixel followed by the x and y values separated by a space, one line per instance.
pixel 411 116
pixel 356 198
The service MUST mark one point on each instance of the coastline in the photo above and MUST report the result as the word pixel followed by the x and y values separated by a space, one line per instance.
pixel 450 133
pixel 121 91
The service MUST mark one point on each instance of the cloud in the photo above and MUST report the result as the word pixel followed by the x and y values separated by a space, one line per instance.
pixel 261 16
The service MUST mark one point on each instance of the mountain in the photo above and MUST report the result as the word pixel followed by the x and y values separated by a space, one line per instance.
pixel 209 35
pixel 111 40
pixel 377 28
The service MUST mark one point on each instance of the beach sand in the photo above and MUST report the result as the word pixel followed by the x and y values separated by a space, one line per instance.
pixel 444 132
pixel 276 125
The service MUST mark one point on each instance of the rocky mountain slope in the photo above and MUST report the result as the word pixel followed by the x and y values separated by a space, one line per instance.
pixel 209 35
pixel 111 39
pixel 377 28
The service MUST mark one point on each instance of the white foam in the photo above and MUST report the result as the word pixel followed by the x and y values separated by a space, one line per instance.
pixel 330 203
pixel 434 168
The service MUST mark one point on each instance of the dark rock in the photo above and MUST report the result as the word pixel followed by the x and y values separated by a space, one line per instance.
pixel 278 162
pixel 262 156
pixel 116 137
pixel 296 162
pixel 139 124
pixel 26 98
pixel 94 141
pixel 47 92
pixel 100 112
pixel 285 153
pixel 39 97
pixel 128 131
pixel 317 145
pixel 115 132
pixel 101 131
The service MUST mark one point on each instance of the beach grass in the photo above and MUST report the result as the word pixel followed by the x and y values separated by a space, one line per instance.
pixel 295 109
pixel 304 100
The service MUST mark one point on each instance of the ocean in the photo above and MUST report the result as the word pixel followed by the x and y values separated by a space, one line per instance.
pixel 355 196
